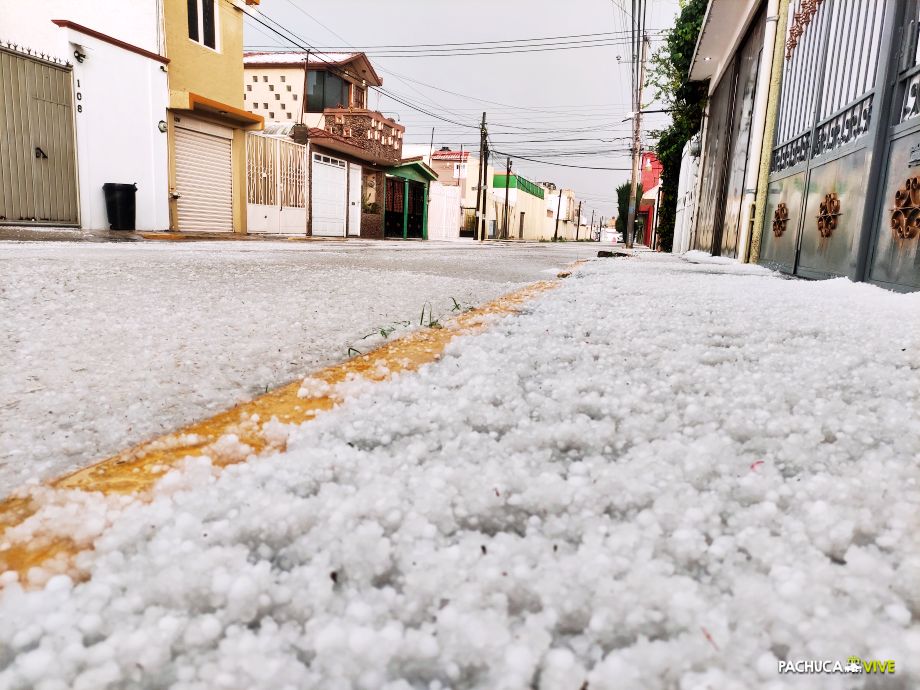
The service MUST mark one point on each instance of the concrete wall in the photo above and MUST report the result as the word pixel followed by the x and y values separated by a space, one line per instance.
pixel 138 22
pixel 275 93
pixel 120 96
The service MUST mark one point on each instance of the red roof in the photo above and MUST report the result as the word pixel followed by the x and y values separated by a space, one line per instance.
pixel 450 155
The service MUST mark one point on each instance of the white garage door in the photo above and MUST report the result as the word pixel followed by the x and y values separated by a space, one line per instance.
pixel 204 176
pixel 328 198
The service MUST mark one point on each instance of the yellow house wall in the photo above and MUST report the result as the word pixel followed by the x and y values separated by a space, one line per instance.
pixel 193 67
pixel 214 74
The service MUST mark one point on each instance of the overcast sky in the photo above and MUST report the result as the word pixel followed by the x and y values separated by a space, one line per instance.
pixel 528 96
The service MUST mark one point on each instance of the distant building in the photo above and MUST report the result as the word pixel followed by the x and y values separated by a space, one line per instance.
pixel 321 101
pixel 461 169
pixel 526 207
pixel 650 170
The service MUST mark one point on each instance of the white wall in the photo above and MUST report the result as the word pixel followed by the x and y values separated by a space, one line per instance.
pixel 119 97
pixel 28 22
pixel 686 202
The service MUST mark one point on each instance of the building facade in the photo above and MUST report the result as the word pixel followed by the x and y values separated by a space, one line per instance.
pixel 207 122
pixel 526 212
pixel 461 169
pixel 320 100
pixel 93 76
pixel 560 203
pixel 812 137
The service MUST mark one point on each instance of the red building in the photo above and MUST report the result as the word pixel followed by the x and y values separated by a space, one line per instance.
pixel 650 169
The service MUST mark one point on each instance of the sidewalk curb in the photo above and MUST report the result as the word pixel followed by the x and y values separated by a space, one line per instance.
pixel 137 469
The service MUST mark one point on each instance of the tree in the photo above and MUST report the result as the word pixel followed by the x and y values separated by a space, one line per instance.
pixel 686 100
pixel 623 205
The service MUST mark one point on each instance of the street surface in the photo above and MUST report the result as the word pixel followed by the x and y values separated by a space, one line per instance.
pixel 109 344
pixel 660 475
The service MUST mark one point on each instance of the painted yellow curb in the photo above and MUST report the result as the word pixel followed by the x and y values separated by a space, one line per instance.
pixel 136 470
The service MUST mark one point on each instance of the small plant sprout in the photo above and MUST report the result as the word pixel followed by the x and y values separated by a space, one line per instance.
pixel 456 306
pixel 421 320
pixel 353 352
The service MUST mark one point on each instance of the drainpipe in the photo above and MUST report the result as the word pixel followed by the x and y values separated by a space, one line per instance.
pixel 754 210
pixel 751 205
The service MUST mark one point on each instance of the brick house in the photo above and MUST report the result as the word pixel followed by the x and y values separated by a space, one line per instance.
pixel 321 99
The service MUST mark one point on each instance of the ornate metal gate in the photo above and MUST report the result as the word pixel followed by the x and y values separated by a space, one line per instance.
pixel 894 256
pixel 831 117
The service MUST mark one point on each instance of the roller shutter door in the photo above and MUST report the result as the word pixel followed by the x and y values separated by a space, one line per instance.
pixel 204 177
pixel 328 198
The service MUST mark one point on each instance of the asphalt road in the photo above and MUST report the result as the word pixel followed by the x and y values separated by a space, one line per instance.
pixel 111 343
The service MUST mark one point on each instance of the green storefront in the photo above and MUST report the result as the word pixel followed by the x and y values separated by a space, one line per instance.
pixel 406 200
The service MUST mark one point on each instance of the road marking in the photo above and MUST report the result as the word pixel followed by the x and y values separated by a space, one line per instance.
pixel 136 470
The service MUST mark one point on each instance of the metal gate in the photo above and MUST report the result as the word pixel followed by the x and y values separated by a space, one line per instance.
pixel 833 89
pixel 38 173
pixel 276 174
pixel 894 256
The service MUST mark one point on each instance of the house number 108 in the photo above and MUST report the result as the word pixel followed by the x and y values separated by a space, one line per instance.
pixel 79 98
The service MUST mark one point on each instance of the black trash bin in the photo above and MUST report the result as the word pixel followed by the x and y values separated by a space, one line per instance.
pixel 120 205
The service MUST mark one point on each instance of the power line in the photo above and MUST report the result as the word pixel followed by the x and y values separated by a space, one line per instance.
pixel 560 165
pixel 503 40
pixel 307 46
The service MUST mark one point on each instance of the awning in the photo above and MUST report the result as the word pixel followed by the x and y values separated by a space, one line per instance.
pixel 723 28
pixel 222 111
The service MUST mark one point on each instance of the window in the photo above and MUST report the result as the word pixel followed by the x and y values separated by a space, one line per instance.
pixel 271 115
pixel 295 96
pixel 249 87
pixel 264 77
pixel 277 96
pixel 283 107
pixel 283 78
pixel 357 96
pixel 202 22
pixel 271 87
pixel 265 105
pixel 289 116
pixel 325 90
pixel 288 86
pixel 255 78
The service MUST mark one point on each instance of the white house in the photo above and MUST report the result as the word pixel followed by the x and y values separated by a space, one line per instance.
pixel 94 77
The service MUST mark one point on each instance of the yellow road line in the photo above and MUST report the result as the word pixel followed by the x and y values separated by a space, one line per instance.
pixel 136 470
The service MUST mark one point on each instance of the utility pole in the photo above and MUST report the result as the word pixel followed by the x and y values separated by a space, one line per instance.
pixel 479 181
pixel 484 155
pixel 637 136
pixel 578 221
pixel 592 222
pixel 507 185
pixel 558 209
pixel 431 147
